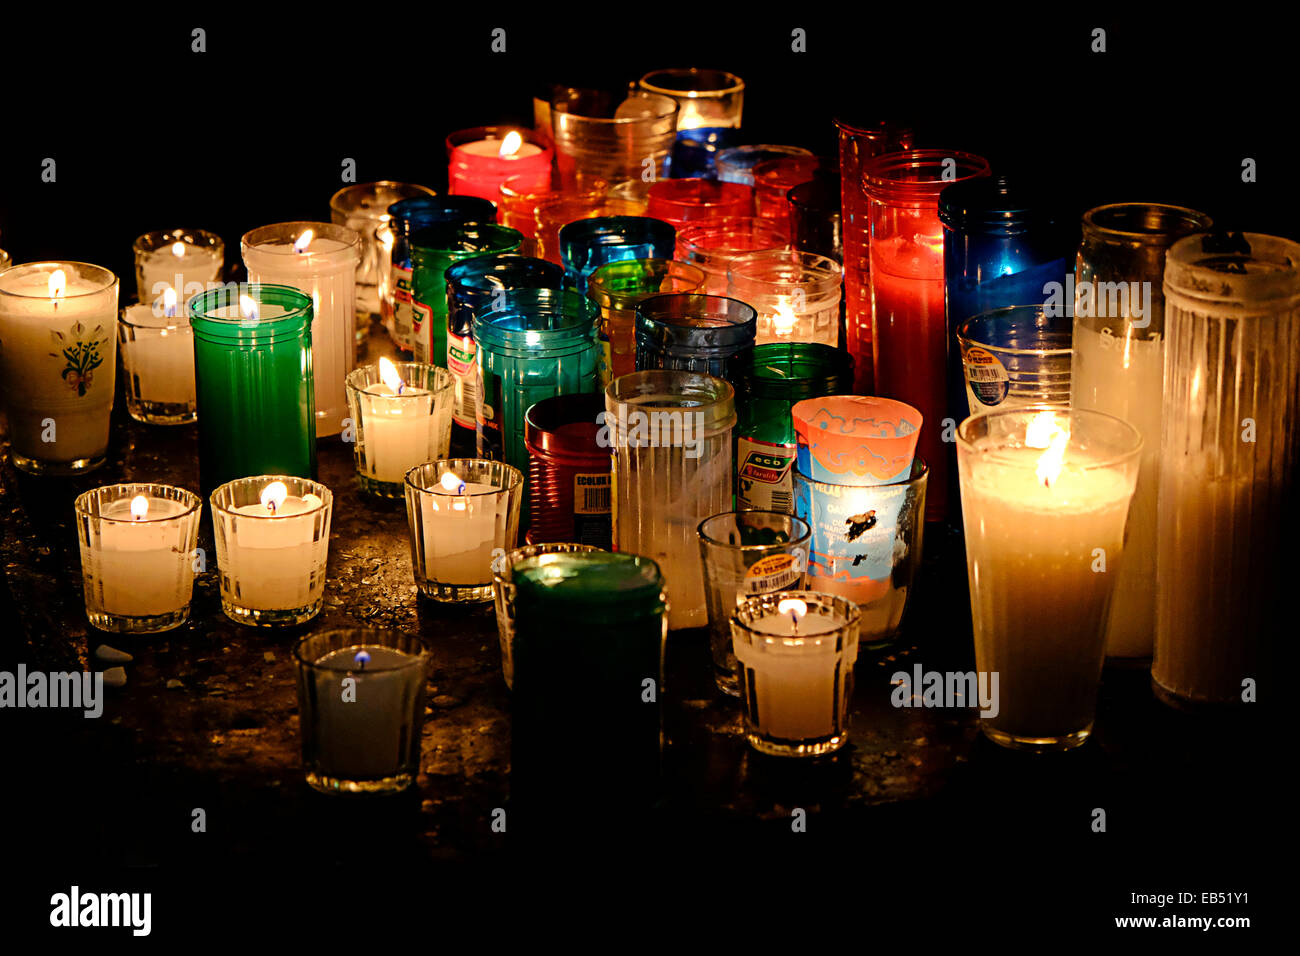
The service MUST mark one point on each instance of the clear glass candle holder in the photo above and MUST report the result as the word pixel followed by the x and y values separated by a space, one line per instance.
pixel 796 294
pixel 503 593
pixel 746 553
pixel 158 366
pixel 598 138
pixel 360 709
pixel 460 512
pixel 706 99
pixel 617 288
pixel 796 651
pixel 1016 356
pixel 736 165
pixel 58 364
pixel 1045 497
pixel 396 429
pixel 686 201
pixel 714 246
pixel 672 449
pixel 272 548
pixel 187 261
pixel 137 555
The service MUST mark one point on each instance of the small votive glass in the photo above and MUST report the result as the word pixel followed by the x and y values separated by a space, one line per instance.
pixel 683 201
pixel 503 593
pixel 796 651
pixel 709 99
pixel 796 294
pixel 396 429
pixel 746 553
pixel 713 246
pixel 360 708
pixel 158 362
pixel 1019 355
pixel 183 260
pixel 137 555
pixel 460 512
pixel 272 534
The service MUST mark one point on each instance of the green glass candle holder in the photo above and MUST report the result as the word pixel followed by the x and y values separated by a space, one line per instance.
pixel 253 383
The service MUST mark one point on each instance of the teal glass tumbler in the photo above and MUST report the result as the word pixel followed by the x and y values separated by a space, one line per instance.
pixel 588 244
pixel 253 382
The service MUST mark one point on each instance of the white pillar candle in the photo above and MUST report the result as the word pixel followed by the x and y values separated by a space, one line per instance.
pixel 58 358
pixel 321 260
pixel 460 532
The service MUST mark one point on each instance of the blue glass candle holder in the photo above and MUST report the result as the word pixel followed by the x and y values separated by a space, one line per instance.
pixel 696 151
pixel 588 244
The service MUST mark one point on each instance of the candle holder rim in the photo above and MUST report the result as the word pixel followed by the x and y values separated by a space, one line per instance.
pixel 667 107
pixel 320 491
pixel 424 192
pixel 1006 310
pixel 179 234
pixel 419 659
pixel 690 235
pixel 1195 221
pixel 731 90
pixel 498 238
pixel 669 378
pixel 876 171
pixel 275 294
pixel 824 269
pixel 744 615
pixel 190 500
pixel 445 207
pixel 804 537
pixel 24 267
pixel 503 563
pixel 918 471
pixel 124 319
pixel 1187 276
pixel 671 269
pixel 443 379
pixel 616 228
pixel 1110 461
pixel 738 312
pixel 261 235
pixel 514 476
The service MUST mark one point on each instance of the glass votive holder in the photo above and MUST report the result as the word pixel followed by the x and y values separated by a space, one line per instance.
pixel 796 651
pixel 1019 355
pixel 481 158
pixel 686 201
pixel 272 534
pixel 186 261
pixel 1045 496
pixel 503 593
pixel 360 709
pixel 695 333
pixel 562 208
pixel 58 364
pixel 569 484
pixel 866 545
pixel 745 553
pixel 401 417
pixel 158 364
pixel 137 555
pixel 517 200
pixel 460 511
pixel 773 180
pixel 816 224
pixel 588 244
pixel 253 340
pixel 617 288
pixel 363 208
pixel 712 99
pixel 736 165
pixel 796 294
pixel 713 246
pixel 596 138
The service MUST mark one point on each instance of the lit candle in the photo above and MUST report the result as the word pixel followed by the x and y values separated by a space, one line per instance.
pixel 181 262
pixel 399 424
pixel 158 359
pixel 482 159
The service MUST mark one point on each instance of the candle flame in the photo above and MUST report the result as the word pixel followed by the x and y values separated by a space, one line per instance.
pixel 248 307
pixel 452 483
pixel 794 607
pixel 58 283
pixel 178 249
pixel 139 507
pixel 385 237
pixel 169 302
pixel 510 144
pixel 389 376
pixel 273 496
pixel 303 241
pixel 783 321
pixel 1045 431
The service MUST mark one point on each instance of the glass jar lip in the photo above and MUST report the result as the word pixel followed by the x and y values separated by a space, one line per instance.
pixel 819 270
pixel 176 323
pixel 338 200
pixel 723 311
pixel 1009 310
pixel 298 305
pixel 875 128
pixel 616 230
pixel 442 209
pixel 748 612
pixel 717 394
pixel 365 375
pixel 643 575
pixel 697 192
pixel 664 106
pixel 997 201
pixel 800 536
pixel 478 274
pixel 275 233
pixel 376 638
pixel 505 562
pixel 579 318
pixel 313 487
pixel 600 284
pixel 544 419
pixel 885 174
pixel 159 238
pixel 472 134
pixel 130 489
pixel 691 235
pixel 452 237
pixel 1130 451
pixel 919 471
pixel 514 477
pixel 88 271
pixel 1269 271
pixel 835 374
pixel 728 84
pixel 781 172
pixel 1106 222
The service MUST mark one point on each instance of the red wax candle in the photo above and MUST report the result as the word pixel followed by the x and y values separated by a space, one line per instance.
pixel 482 158
pixel 909 338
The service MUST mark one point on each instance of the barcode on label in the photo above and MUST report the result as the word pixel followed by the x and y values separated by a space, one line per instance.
pixel 781 501
pixel 977 373
pixel 591 494
pixel 595 500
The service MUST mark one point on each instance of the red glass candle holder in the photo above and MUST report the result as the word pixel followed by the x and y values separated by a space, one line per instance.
pixel 477 167
pixel 569 487
pixel 684 201
pixel 909 338
pixel 713 245
pixel 860 142
pixel 517 201
pixel 773 180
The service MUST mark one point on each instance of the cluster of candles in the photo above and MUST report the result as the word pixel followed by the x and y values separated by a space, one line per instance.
pixel 751 328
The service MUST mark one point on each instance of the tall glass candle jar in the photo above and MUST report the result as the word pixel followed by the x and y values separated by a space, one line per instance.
pixel 860 141
pixel 1229 448
pixel 401 417
pixel 697 333
pixel 320 259
pixel 1118 367
pixel 480 159
pixel 1017 355
pixel 363 208
pixel 58 364
pixel 796 294
pixel 253 383
pixel 186 261
pixel 598 139
pixel 158 363
pixel 588 244
pixel 137 555
pixel 568 471
pixel 714 246
pixel 816 224
pixel 685 201
pixel 617 288
pixel 706 99
pixel 473 285
pixel 773 180
pixel 433 250
pixel 736 165
pixel 671 433
pixel 777 376
pixel 411 215
pixel 538 343
pixel 517 200
pixel 909 327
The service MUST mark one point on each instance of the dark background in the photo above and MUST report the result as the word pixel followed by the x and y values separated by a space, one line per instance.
pixel 148 135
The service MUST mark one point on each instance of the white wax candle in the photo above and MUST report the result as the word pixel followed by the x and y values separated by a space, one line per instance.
pixel 364 737
pixel 460 532
pixel 159 356
pixel 276 561
pixel 794 684
pixel 492 147
pixel 399 430
pixel 182 266
pixel 135 565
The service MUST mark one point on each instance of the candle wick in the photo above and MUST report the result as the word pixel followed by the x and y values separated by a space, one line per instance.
pixel 270 506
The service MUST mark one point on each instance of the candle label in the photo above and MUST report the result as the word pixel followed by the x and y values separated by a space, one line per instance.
pixel 488 429
pixel 421 330
pixel 592 498
pixel 986 377
pixel 776 572
pixel 763 477
pixel 402 306
pixel 853 537
pixel 461 353
pixel 81 357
